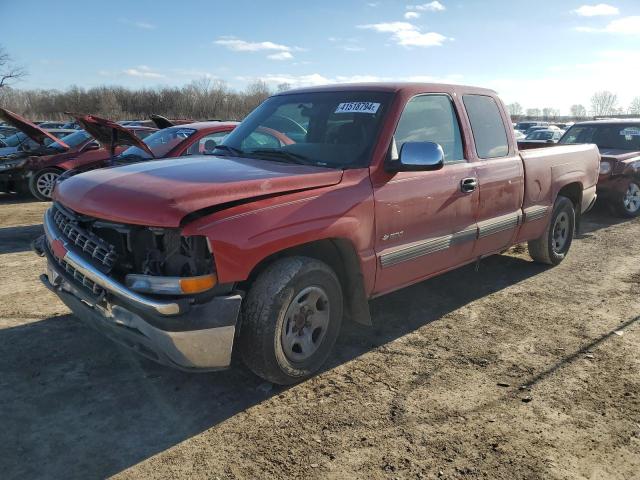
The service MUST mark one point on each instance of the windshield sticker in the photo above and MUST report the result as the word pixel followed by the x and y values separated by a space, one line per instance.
pixel 357 107
pixel 630 132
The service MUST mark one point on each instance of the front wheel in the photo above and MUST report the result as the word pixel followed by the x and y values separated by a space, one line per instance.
pixel 41 183
pixel 552 247
pixel 290 320
pixel 627 204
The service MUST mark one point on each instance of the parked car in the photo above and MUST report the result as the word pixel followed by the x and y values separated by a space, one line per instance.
pixel 546 135
pixel 178 141
pixel 519 135
pixel 525 126
pixel 83 153
pixel 21 142
pixel 619 144
pixel 269 244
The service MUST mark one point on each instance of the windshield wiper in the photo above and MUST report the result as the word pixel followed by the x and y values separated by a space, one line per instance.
pixel 281 155
pixel 235 151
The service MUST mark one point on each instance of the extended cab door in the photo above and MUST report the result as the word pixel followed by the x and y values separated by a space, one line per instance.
pixel 500 174
pixel 425 221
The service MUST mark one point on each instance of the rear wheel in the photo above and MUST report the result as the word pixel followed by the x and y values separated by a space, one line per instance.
pixel 290 320
pixel 627 203
pixel 41 183
pixel 554 244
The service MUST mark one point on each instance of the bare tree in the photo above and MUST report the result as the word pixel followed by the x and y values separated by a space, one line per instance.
pixel 515 109
pixel 550 113
pixel 578 111
pixel 533 112
pixel 634 108
pixel 10 72
pixel 604 103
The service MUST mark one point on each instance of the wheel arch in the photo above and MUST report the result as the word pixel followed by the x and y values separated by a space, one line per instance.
pixel 338 253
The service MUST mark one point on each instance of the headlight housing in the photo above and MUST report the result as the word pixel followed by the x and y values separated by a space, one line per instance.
pixel 605 167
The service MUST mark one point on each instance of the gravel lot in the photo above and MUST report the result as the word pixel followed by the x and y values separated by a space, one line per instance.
pixel 512 371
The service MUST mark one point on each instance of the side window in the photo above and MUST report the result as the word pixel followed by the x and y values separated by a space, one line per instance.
pixel 431 118
pixel 206 144
pixel 486 123
pixel 260 140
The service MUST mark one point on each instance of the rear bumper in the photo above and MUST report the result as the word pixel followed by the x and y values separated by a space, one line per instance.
pixel 180 334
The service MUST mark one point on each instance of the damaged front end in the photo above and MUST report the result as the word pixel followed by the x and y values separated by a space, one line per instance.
pixel 151 289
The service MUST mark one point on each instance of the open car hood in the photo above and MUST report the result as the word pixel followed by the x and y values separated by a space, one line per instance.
pixel 163 192
pixel 31 130
pixel 110 133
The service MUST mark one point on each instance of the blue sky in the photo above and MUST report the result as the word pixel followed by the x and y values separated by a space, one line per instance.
pixel 542 53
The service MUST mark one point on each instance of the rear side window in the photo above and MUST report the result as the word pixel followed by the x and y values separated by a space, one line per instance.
pixel 489 133
pixel 431 118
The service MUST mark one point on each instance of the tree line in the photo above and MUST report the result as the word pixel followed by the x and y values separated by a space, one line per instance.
pixel 603 103
pixel 200 99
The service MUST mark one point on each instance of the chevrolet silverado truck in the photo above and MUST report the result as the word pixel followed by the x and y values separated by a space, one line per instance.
pixel 267 246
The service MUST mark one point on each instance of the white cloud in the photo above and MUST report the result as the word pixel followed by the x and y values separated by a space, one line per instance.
pixel 599 10
pixel 407 34
pixel 428 7
pixel 142 71
pixel 411 15
pixel 238 45
pixel 280 56
pixel 138 24
pixel 622 26
pixel 352 48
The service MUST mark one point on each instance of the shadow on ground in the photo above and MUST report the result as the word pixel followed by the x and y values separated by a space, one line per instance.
pixel 18 239
pixel 77 406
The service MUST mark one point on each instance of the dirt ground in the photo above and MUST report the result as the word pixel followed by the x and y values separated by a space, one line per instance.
pixel 512 371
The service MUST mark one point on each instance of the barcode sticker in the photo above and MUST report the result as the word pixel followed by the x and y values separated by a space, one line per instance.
pixel 357 107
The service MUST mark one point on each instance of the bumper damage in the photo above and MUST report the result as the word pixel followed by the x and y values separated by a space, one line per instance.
pixel 190 337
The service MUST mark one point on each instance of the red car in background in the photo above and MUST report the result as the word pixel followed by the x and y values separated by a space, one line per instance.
pixel 83 153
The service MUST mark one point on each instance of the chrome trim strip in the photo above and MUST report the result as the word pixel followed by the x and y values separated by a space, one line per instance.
pixel 99 278
pixel 427 247
pixel 497 225
pixel 535 213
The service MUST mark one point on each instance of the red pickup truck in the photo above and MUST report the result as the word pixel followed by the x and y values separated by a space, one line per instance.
pixel 268 244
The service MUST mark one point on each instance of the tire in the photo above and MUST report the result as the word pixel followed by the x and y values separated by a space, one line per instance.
pixel 42 182
pixel 291 318
pixel 627 204
pixel 554 244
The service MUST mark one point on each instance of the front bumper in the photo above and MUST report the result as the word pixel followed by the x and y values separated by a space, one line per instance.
pixel 186 336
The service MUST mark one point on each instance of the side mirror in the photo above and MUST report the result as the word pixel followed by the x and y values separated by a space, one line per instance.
pixel 417 156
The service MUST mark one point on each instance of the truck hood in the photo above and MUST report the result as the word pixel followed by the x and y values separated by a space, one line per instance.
pixel 161 193
pixel 108 132
pixel 31 130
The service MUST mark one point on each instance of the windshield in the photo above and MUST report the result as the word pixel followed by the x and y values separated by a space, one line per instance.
pixel 540 135
pixel 619 136
pixel 330 129
pixel 160 143
pixel 73 140
pixel 15 139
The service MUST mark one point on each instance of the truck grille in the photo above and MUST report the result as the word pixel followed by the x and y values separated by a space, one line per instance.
pixel 80 278
pixel 89 243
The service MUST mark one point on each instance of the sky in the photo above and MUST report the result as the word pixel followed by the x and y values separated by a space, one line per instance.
pixel 540 53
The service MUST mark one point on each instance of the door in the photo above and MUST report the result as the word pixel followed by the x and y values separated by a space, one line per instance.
pixel 425 221
pixel 500 176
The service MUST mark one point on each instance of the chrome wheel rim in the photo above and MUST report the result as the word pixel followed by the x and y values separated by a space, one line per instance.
pixel 631 200
pixel 45 183
pixel 560 232
pixel 305 324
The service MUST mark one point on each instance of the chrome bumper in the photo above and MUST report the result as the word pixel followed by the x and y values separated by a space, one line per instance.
pixel 182 335
pixel 115 288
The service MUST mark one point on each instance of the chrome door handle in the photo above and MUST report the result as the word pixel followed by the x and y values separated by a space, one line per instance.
pixel 468 185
